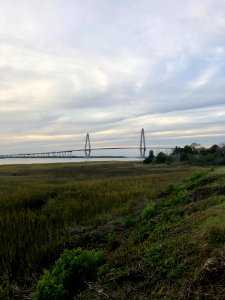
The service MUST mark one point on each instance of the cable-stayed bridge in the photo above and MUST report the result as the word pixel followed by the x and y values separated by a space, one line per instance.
pixel 71 153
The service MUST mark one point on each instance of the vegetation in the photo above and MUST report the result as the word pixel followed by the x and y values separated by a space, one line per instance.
pixel 192 154
pixel 177 252
pixel 68 273
pixel 161 229
pixel 43 206
pixel 148 211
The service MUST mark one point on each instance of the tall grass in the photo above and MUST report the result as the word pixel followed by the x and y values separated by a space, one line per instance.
pixel 35 213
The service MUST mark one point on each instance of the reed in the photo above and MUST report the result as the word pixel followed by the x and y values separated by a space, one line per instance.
pixel 39 204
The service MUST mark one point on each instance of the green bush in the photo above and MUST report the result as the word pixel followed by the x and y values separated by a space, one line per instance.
pixel 68 274
pixel 195 176
pixel 141 234
pixel 148 211
pixel 172 188
pixel 50 287
pixel 182 197
pixel 129 221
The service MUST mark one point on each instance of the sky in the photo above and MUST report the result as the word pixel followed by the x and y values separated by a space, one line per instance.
pixel 110 68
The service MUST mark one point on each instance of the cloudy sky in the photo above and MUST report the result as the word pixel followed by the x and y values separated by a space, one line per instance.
pixel 111 67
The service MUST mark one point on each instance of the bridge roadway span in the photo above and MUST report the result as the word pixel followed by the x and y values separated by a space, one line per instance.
pixel 69 153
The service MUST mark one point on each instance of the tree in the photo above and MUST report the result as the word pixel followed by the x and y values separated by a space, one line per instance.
pixel 150 157
pixel 161 158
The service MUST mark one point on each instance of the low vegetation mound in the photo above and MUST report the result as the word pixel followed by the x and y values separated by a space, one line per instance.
pixel 173 248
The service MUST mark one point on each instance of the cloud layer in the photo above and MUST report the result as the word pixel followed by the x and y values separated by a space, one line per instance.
pixel 110 68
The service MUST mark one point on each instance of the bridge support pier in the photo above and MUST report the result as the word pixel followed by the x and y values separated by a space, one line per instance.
pixel 87 148
pixel 142 143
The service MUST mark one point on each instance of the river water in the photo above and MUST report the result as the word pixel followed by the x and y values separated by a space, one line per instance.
pixel 101 155
pixel 22 161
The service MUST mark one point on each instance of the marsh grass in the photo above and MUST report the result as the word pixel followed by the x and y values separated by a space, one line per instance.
pixel 38 204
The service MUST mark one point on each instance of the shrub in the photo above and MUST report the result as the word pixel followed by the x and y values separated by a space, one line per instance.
pixel 113 240
pixel 147 160
pixel 172 188
pixel 182 197
pixel 161 158
pixel 141 234
pixel 129 221
pixel 49 287
pixel 148 211
pixel 194 177
pixel 68 274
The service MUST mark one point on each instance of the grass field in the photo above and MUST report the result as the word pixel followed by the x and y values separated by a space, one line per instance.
pixel 48 208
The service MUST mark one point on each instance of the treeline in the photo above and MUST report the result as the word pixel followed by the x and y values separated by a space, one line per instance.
pixel 193 154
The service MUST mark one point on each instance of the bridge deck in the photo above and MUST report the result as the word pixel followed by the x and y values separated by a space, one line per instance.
pixel 87 151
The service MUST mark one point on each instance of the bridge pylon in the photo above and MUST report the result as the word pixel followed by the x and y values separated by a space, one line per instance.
pixel 142 143
pixel 87 148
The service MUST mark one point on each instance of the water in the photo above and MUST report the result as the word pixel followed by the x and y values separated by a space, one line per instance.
pixel 100 155
pixel 22 161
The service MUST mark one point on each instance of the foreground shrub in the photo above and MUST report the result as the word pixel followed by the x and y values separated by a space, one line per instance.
pixel 148 211
pixel 49 287
pixel 172 188
pixel 129 221
pixel 194 177
pixel 182 197
pixel 68 274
